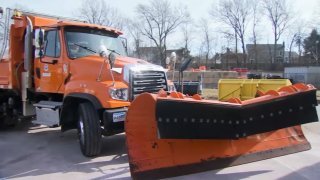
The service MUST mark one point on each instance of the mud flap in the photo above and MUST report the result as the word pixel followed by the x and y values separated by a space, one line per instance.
pixel 155 152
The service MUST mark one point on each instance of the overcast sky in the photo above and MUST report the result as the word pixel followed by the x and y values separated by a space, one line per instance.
pixel 198 8
pixel 127 7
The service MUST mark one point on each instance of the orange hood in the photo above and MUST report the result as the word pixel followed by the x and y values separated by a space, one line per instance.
pixel 93 63
pixel 121 61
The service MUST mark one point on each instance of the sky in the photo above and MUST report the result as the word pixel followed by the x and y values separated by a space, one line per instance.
pixel 68 7
pixel 198 9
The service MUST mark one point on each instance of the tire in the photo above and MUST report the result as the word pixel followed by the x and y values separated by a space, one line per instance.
pixel 8 122
pixel 9 114
pixel 89 130
pixel 1 122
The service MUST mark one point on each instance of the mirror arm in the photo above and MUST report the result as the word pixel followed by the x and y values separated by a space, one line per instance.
pixel 126 43
pixel 111 65
pixel 100 72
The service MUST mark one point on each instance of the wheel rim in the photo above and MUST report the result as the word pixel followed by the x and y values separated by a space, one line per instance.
pixel 81 131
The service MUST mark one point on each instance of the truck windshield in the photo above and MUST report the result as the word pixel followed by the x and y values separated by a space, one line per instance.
pixel 86 41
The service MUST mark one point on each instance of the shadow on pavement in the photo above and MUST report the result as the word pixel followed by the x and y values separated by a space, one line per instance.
pixel 215 175
pixel 30 151
pixel 309 172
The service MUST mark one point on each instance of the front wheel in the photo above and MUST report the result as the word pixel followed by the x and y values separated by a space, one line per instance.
pixel 89 130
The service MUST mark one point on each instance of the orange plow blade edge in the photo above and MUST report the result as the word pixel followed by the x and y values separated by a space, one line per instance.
pixel 171 135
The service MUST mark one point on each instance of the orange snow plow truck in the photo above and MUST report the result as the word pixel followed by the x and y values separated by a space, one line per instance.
pixel 78 76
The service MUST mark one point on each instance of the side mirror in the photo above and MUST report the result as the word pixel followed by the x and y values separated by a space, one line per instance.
pixel 41 52
pixel 1 11
pixel 39 38
pixel 112 59
pixel 185 64
pixel 39 41
pixel 124 43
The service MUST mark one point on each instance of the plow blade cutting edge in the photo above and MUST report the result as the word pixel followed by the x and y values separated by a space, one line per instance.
pixel 176 135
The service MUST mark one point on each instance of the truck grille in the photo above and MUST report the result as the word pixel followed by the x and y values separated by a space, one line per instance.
pixel 147 81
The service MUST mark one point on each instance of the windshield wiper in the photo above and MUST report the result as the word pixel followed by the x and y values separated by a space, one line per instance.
pixel 114 51
pixel 85 47
pixel 91 50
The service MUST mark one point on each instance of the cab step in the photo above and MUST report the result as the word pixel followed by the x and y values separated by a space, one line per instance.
pixel 47 113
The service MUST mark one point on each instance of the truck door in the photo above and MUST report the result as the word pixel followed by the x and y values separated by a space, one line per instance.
pixel 49 68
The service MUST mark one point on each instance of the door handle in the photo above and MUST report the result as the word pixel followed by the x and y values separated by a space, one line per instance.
pixel 52 61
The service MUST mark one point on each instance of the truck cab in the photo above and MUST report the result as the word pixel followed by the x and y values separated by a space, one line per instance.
pixel 71 74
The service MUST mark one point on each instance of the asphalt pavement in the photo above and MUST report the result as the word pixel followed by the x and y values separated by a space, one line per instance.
pixel 36 152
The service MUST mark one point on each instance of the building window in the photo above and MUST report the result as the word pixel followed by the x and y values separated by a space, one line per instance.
pixel 280 53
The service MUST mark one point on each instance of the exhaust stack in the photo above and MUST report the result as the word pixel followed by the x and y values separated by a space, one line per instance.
pixel 28 51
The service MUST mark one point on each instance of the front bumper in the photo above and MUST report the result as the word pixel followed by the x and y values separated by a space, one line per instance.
pixel 113 121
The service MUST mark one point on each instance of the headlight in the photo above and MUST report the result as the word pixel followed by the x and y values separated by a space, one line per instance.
pixel 119 94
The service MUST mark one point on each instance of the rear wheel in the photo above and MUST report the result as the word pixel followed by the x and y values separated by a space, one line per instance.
pixel 89 130
pixel 1 121
pixel 9 111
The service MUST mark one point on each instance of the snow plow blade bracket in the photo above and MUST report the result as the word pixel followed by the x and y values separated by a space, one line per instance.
pixel 175 135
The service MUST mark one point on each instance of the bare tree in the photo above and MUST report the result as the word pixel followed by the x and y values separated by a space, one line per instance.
pixel 133 28
pixel 255 21
pixel 98 12
pixel 187 29
pixel 200 54
pixel 279 15
pixel 1 29
pixel 158 20
pixel 229 37
pixel 235 14
pixel 316 14
pixel 296 34
pixel 299 43
pixel 1 36
pixel 207 39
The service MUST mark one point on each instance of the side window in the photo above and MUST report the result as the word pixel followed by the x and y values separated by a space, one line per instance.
pixel 52 40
